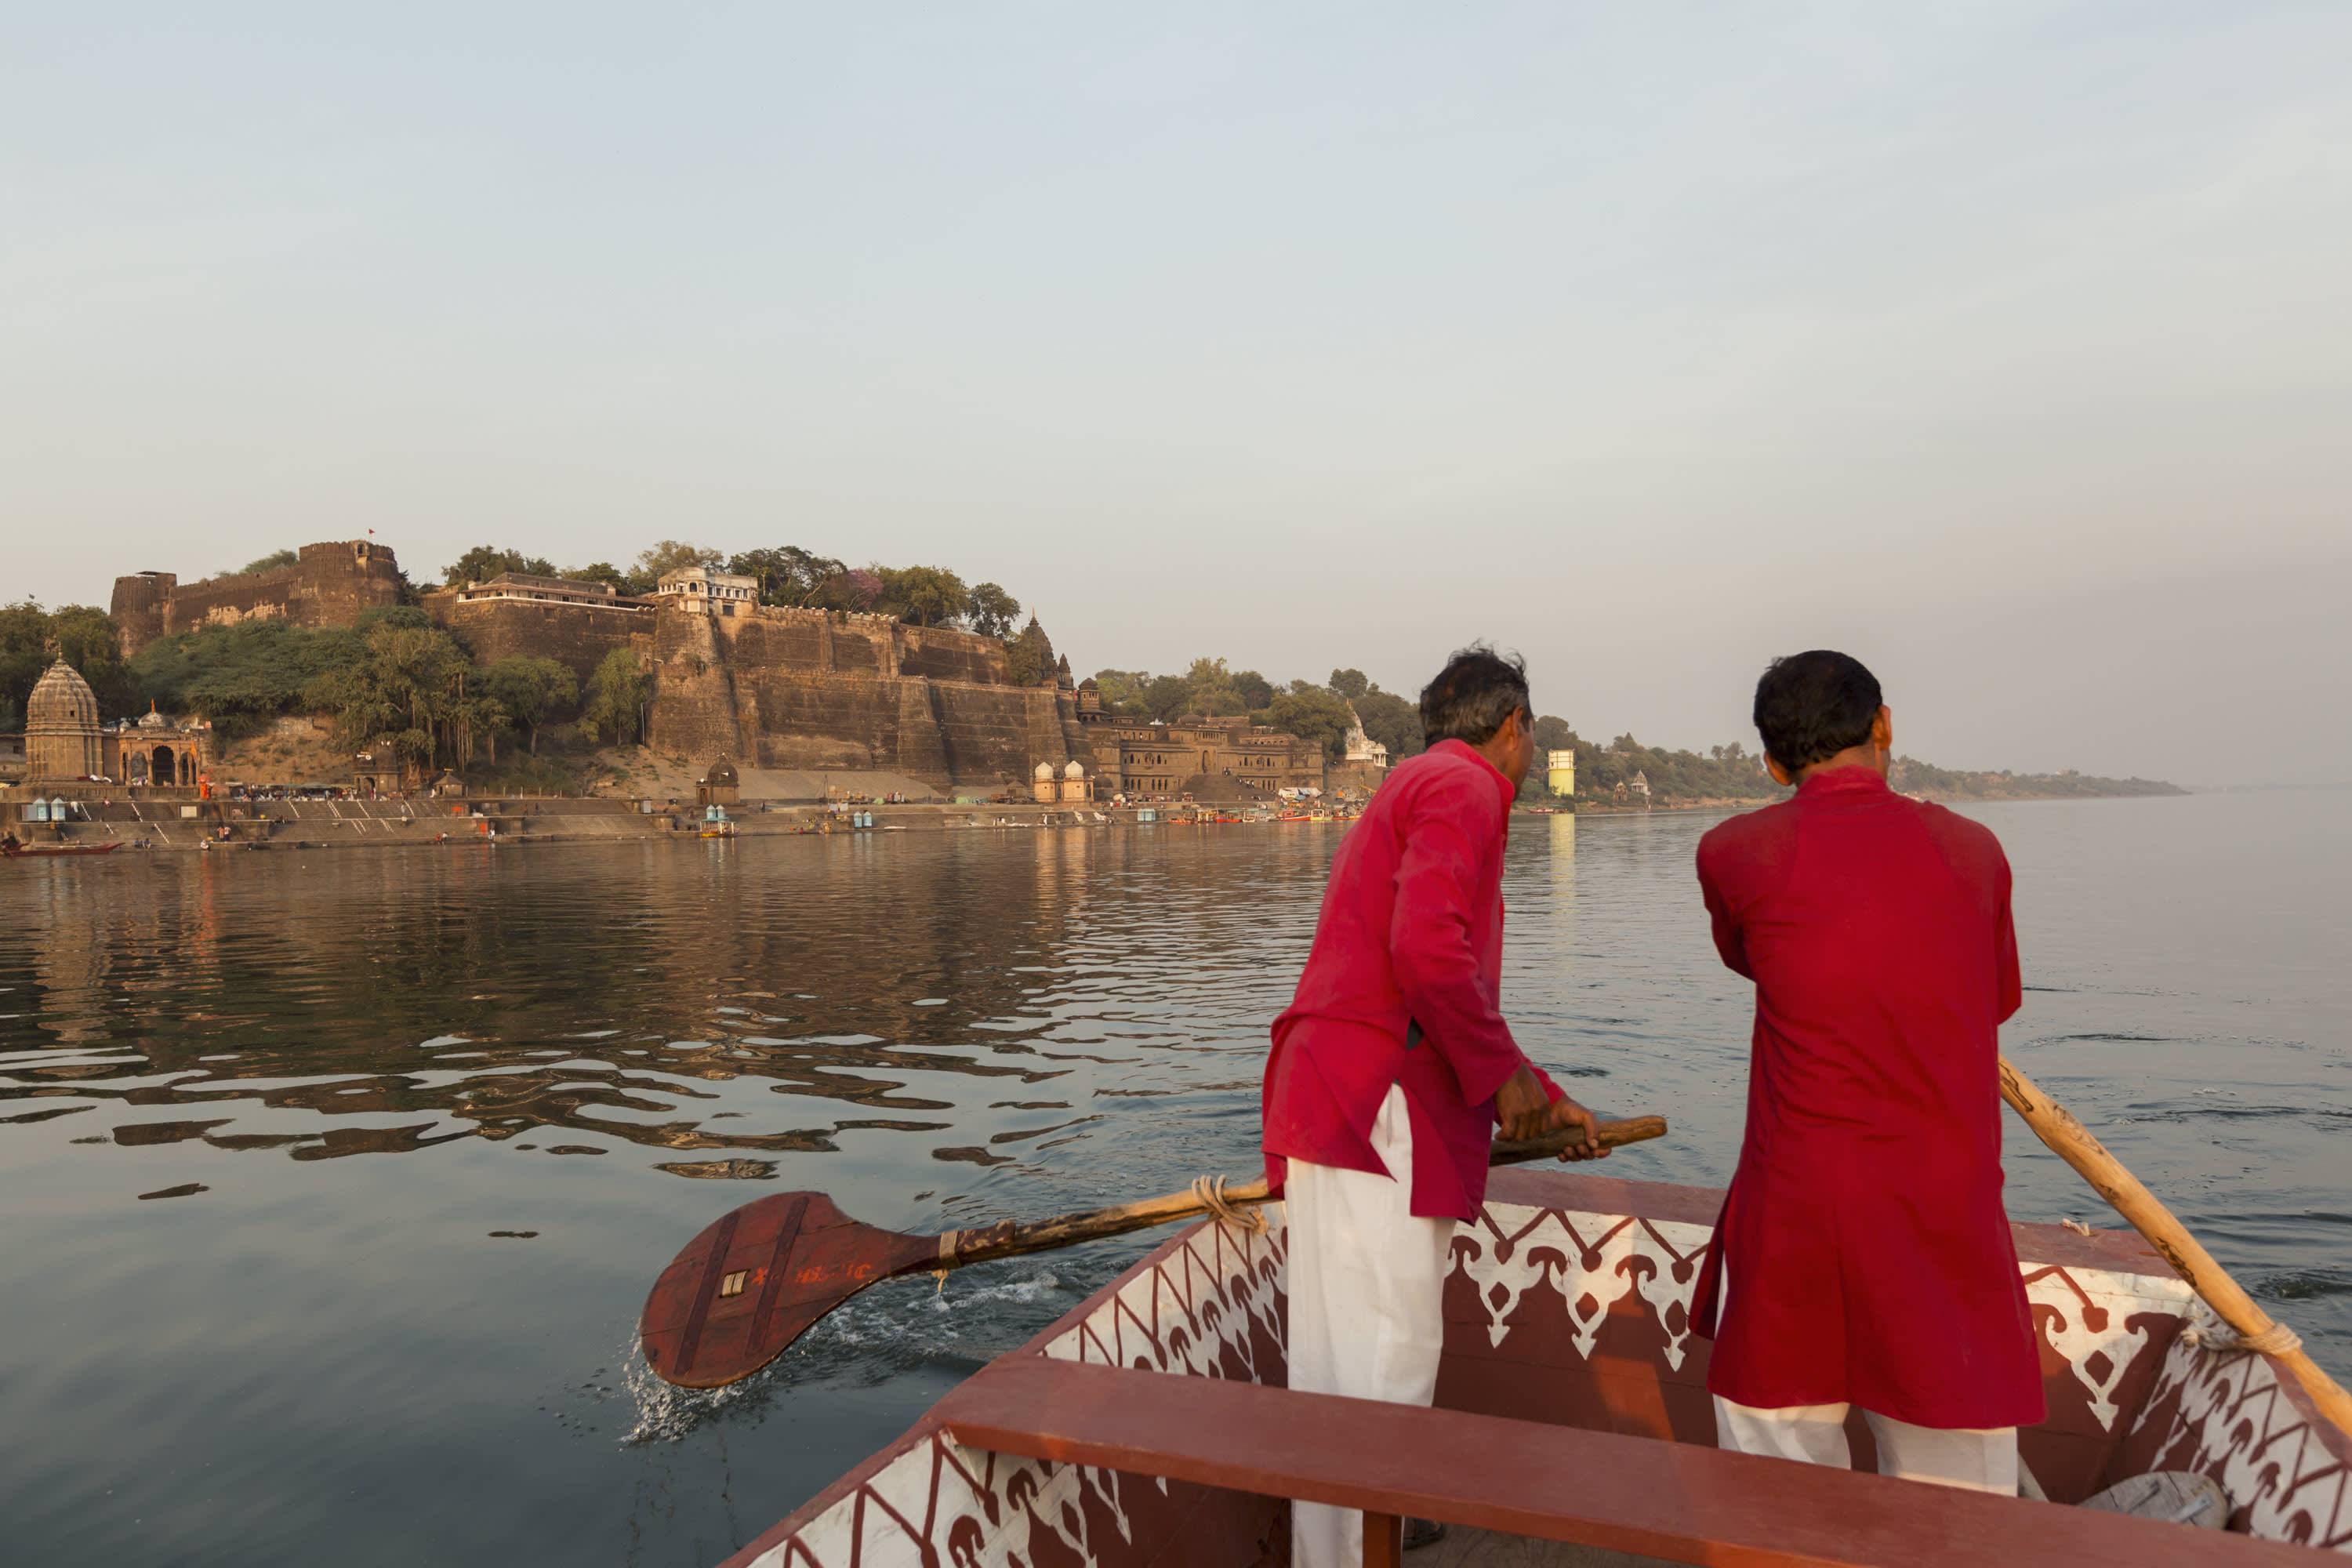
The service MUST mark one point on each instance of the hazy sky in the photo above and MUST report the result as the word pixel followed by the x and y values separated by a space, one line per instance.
pixel 2007 346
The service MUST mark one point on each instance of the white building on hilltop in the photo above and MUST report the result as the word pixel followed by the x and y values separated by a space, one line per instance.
pixel 1362 748
pixel 707 591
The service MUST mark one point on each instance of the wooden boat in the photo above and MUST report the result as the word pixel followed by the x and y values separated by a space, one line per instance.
pixel 37 851
pixel 1150 1426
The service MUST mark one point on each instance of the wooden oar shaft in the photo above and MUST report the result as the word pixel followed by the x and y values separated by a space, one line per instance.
pixel 1009 1240
pixel 2072 1142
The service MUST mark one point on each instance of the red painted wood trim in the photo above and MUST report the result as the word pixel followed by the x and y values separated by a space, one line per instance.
pixel 1556 1483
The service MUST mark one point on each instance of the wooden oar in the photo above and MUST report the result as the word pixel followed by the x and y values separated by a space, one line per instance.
pixel 745 1289
pixel 2072 1142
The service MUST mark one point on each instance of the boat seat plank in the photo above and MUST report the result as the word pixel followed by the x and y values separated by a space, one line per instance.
pixel 1677 1501
pixel 1466 1548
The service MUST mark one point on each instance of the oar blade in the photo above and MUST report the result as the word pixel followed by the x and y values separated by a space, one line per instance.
pixel 740 1293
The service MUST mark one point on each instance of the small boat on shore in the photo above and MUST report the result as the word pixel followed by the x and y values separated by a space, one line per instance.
pixel 1151 1424
pixel 46 851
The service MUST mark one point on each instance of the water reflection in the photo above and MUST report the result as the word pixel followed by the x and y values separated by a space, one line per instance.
pixel 590 1052
pixel 505 994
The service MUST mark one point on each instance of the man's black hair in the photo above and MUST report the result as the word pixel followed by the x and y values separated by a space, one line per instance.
pixel 1477 689
pixel 1812 706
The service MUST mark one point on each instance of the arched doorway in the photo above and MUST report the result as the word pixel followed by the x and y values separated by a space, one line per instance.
pixel 165 770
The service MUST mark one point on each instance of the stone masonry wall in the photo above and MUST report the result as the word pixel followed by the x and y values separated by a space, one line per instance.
pixel 772 687
pixel 799 690
pixel 577 636
pixel 328 586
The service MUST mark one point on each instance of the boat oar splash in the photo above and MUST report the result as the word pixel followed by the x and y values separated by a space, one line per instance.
pixel 738 1294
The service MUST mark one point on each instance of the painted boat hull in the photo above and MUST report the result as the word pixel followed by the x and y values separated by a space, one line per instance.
pixel 43 852
pixel 1569 1304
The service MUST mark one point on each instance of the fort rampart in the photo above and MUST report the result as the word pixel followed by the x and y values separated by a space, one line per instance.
pixel 329 585
pixel 766 686
pixel 802 688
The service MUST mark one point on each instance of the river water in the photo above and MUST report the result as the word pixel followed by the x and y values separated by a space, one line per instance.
pixel 448 1112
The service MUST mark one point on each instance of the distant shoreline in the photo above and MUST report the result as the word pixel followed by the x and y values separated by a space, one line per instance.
pixel 1938 797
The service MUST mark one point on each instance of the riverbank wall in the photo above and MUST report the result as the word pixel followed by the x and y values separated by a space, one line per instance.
pixel 188 827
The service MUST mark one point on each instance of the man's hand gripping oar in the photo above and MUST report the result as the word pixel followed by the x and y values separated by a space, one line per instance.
pixel 743 1290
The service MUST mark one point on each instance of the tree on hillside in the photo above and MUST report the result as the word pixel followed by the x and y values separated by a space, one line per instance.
pixel 413 691
pixel 1256 690
pixel 1211 690
pixel 529 689
pixel 670 554
pixel 858 589
pixel 1391 720
pixel 617 694
pixel 811 574
pixel 275 560
pixel 1349 684
pixel 924 595
pixel 992 611
pixel 1168 698
pixel 1122 692
pixel 1553 734
pixel 767 568
pixel 604 571
pixel 484 562
pixel 32 638
pixel 1312 715
pixel 23 655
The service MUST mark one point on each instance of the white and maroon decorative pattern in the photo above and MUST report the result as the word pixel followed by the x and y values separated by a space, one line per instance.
pixel 2222 1414
pixel 1592 1261
pixel 1213 1308
pixel 1554 1313
pixel 2100 1322
pixel 1209 1305
pixel 976 1510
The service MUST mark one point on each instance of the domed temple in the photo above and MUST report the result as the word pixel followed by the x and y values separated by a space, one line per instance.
pixel 63 739
pixel 66 739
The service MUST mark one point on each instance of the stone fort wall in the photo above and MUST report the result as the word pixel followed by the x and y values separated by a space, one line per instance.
pixel 328 586
pixel 799 690
pixel 577 636
pixel 770 687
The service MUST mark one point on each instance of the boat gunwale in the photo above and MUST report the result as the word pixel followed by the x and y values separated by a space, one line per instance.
pixel 929 1422
pixel 2122 1251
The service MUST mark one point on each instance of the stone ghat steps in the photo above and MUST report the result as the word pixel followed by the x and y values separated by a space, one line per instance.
pixel 351 824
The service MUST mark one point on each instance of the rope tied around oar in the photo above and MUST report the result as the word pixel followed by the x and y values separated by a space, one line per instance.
pixel 1209 1192
pixel 2206 1329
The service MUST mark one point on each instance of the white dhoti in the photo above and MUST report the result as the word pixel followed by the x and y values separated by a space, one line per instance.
pixel 1979 1458
pixel 1366 1292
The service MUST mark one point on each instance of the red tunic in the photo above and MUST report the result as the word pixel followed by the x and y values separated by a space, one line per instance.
pixel 1411 932
pixel 1870 1256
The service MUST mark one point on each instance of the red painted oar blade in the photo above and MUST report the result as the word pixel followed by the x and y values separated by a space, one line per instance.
pixel 749 1284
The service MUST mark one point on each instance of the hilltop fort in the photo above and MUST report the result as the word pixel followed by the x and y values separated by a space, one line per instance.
pixel 768 686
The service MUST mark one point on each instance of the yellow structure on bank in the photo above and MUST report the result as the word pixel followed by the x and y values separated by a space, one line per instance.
pixel 1561 774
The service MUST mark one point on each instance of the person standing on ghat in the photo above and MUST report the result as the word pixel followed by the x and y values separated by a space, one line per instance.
pixel 1392 1065
pixel 1863 1256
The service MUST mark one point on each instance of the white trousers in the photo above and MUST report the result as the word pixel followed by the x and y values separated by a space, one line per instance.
pixel 1366 1292
pixel 1978 1458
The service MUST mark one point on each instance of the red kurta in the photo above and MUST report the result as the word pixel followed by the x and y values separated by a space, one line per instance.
pixel 1870 1256
pixel 1411 932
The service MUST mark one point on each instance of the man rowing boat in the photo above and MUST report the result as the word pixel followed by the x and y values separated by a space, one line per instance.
pixel 1392 1065
pixel 1862 1258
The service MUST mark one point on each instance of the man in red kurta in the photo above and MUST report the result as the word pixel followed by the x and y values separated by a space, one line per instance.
pixel 1863 1256
pixel 1392 1064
